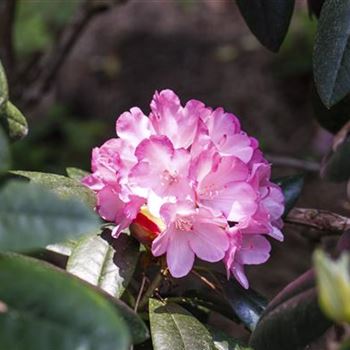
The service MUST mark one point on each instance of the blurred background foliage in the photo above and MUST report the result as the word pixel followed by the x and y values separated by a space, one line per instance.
pixel 53 137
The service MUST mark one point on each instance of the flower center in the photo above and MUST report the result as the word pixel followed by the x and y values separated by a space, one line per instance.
pixel 184 223
pixel 169 178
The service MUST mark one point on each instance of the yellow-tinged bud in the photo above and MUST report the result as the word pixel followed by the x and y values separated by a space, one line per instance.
pixel 333 280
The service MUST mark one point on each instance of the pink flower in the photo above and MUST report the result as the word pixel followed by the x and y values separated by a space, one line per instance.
pixel 191 179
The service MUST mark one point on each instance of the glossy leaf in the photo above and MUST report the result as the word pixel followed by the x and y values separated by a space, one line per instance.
pixel 110 267
pixel 291 187
pixel 246 304
pixel 76 173
pixel 44 308
pixel 13 122
pixel 4 153
pixel 224 342
pixel 173 327
pixel 292 320
pixel 336 166
pixel 332 52
pixel 268 20
pixel 63 186
pixel 64 248
pixel 334 118
pixel 333 280
pixel 31 217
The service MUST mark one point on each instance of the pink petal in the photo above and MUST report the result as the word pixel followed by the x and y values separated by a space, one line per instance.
pixel 238 272
pixel 134 126
pixel 180 257
pixel 209 242
pixel 160 244
pixel 109 205
pixel 255 250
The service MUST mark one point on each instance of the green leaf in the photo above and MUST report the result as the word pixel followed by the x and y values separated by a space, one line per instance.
pixel 63 186
pixel 292 320
pixel 245 303
pixel 4 94
pixel 5 158
pixel 334 118
pixel 224 342
pixel 336 166
pixel 76 173
pixel 63 248
pixel 44 308
pixel 13 122
pixel 333 280
pixel 268 20
pixel 291 187
pixel 108 266
pixel 32 217
pixel 173 327
pixel 332 52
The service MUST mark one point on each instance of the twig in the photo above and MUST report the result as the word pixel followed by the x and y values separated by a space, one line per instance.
pixel 140 293
pixel 44 75
pixel 7 16
pixel 152 287
pixel 319 219
pixel 204 280
pixel 302 164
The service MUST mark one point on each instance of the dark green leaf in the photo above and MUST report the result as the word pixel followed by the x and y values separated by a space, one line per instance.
pixel 110 267
pixel 332 52
pixel 291 187
pixel 334 118
pixel 13 122
pixel 224 342
pixel 4 94
pixel 31 217
pixel 76 174
pixel 44 308
pixel 268 20
pixel 4 153
pixel 63 186
pixel 245 303
pixel 173 327
pixel 292 319
pixel 336 166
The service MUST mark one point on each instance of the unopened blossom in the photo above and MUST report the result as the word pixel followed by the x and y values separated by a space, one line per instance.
pixel 191 182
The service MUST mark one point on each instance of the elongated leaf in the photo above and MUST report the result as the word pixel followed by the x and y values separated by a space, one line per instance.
pixel 76 173
pixel 4 94
pixel 246 304
pixel 44 308
pixel 13 122
pixel 4 153
pixel 109 267
pixel 61 185
pixel 292 319
pixel 291 187
pixel 332 52
pixel 173 327
pixel 31 217
pixel 336 166
pixel 268 20
pixel 224 342
pixel 334 118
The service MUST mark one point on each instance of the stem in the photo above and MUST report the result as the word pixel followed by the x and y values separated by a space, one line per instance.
pixel 151 288
pixel 140 293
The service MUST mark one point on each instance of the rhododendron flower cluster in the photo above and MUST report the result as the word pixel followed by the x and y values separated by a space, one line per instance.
pixel 197 177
